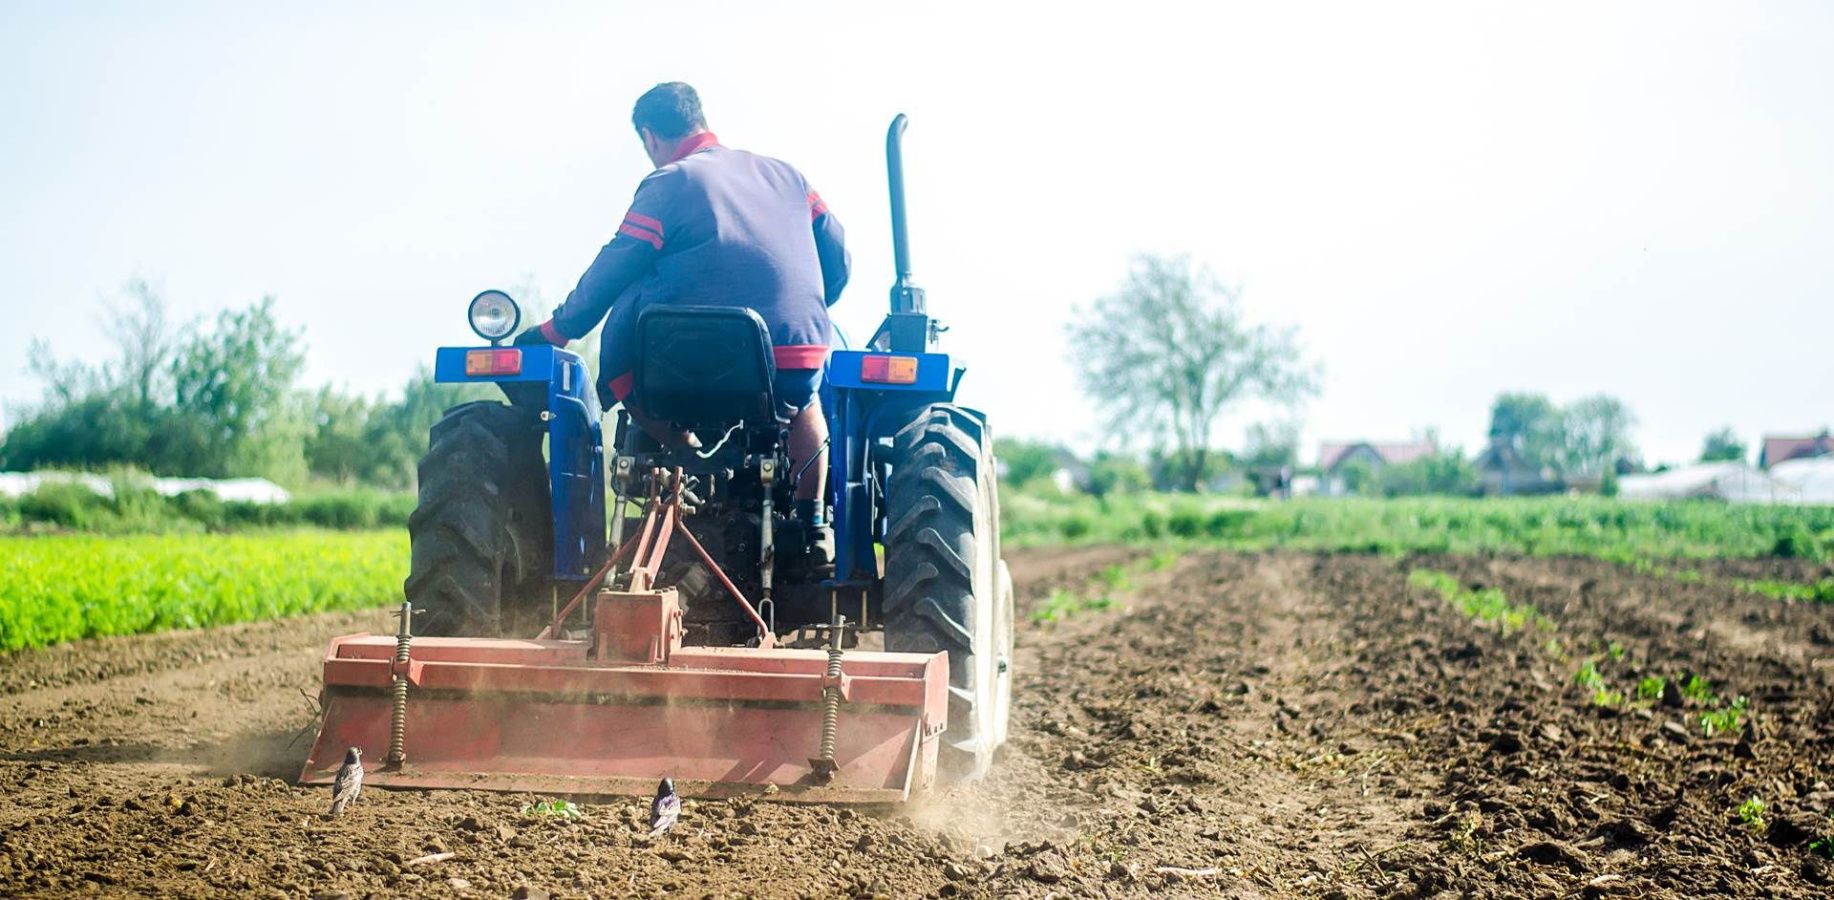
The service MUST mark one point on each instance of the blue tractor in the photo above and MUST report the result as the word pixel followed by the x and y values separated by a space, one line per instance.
pixel 522 502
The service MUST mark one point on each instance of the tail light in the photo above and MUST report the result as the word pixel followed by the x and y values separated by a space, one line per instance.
pixel 888 369
pixel 493 362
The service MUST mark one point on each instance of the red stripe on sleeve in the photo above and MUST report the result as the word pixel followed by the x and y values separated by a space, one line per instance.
pixel 637 218
pixel 620 386
pixel 633 231
pixel 817 206
pixel 800 356
pixel 553 334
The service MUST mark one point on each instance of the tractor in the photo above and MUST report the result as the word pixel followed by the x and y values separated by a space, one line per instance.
pixel 587 616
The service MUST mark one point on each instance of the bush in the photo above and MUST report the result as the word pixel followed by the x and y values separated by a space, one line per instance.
pixel 1798 543
pixel 201 506
pixel 136 508
pixel 339 510
pixel 65 504
pixel 1226 523
pixel 1113 474
pixel 1185 523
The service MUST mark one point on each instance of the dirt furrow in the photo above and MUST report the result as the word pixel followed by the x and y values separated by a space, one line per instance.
pixel 1232 725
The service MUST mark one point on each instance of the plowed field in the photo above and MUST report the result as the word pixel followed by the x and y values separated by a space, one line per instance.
pixel 1234 725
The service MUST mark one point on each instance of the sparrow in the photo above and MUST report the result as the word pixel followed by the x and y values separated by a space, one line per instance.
pixel 665 809
pixel 349 783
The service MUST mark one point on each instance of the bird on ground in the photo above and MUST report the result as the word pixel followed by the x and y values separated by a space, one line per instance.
pixel 665 809
pixel 349 782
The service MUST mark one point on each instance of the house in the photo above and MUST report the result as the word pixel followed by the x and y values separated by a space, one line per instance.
pixel 1335 456
pixel 1332 455
pixel 1783 448
pixel 1503 471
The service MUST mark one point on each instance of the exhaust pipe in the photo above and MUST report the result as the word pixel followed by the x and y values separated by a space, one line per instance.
pixel 906 297
pixel 908 329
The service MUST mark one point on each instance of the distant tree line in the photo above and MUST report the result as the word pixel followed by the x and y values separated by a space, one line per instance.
pixel 1165 355
pixel 216 399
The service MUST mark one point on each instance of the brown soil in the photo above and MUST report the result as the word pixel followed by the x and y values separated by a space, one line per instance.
pixel 1272 725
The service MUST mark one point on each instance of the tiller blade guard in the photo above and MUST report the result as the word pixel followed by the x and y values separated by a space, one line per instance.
pixel 615 714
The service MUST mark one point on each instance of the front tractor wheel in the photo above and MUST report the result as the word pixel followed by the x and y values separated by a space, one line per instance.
pixel 945 585
pixel 482 539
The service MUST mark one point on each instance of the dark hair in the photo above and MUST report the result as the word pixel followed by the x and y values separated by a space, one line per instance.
pixel 670 111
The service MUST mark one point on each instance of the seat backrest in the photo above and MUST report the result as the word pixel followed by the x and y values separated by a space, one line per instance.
pixel 704 365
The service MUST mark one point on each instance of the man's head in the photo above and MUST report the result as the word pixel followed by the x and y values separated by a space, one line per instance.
pixel 666 115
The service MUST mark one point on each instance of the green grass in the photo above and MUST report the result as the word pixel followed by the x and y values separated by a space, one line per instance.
pixel 134 508
pixel 1699 690
pixel 67 587
pixel 1062 604
pixel 1751 812
pixel 1651 688
pixel 1821 591
pixel 1102 590
pixel 552 809
pixel 1598 527
pixel 1483 604
pixel 1725 719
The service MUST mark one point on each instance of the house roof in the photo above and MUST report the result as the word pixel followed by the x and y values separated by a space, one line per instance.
pixel 1330 453
pixel 1781 447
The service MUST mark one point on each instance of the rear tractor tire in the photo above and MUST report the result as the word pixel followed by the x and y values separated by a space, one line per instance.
pixel 946 588
pixel 481 534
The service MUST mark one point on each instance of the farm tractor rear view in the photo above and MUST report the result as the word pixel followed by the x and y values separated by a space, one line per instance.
pixel 585 622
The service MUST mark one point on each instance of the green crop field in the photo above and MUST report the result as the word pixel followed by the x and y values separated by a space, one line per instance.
pixel 1554 526
pixel 64 587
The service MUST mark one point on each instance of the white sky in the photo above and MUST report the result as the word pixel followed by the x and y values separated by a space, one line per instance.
pixel 1448 200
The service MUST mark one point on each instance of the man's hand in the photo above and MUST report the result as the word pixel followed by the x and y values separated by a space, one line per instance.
pixel 537 336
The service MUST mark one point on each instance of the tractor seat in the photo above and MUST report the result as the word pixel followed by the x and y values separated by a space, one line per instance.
pixel 705 366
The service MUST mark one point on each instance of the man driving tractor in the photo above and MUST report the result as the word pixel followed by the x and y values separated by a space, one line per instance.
pixel 715 226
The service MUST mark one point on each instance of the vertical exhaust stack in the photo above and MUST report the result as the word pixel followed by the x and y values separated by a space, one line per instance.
pixel 908 329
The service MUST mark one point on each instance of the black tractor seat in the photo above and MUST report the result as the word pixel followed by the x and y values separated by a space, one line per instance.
pixel 706 367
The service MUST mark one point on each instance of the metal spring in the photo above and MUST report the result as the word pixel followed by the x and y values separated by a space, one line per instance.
pixel 831 698
pixel 398 718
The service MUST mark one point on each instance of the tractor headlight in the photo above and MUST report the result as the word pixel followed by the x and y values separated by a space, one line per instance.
pixel 494 315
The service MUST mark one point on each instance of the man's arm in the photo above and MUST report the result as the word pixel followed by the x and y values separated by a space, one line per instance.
pixel 619 264
pixel 830 247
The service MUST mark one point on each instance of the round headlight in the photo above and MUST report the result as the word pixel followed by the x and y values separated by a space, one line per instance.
pixel 494 315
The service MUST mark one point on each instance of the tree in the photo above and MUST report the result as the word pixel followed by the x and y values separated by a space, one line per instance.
pixel 144 345
pixel 118 412
pixel 1723 446
pixel 1445 472
pixel 337 446
pixel 1170 351
pixel 236 383
pixel 1595 434
pixel 1529 424
pixel 1024 462
pixel 1117 473
pixel 395 434
pixel 1270 445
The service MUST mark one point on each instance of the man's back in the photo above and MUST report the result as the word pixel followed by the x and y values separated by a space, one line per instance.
pixel 737 232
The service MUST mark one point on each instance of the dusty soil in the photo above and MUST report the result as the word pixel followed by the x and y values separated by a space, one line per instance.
pixel 1272 725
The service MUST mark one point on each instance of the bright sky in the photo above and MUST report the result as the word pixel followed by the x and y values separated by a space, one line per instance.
pixel 1448 200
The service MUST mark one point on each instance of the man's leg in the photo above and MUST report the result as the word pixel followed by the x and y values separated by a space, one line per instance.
pixel 809 451
pixel 808 446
